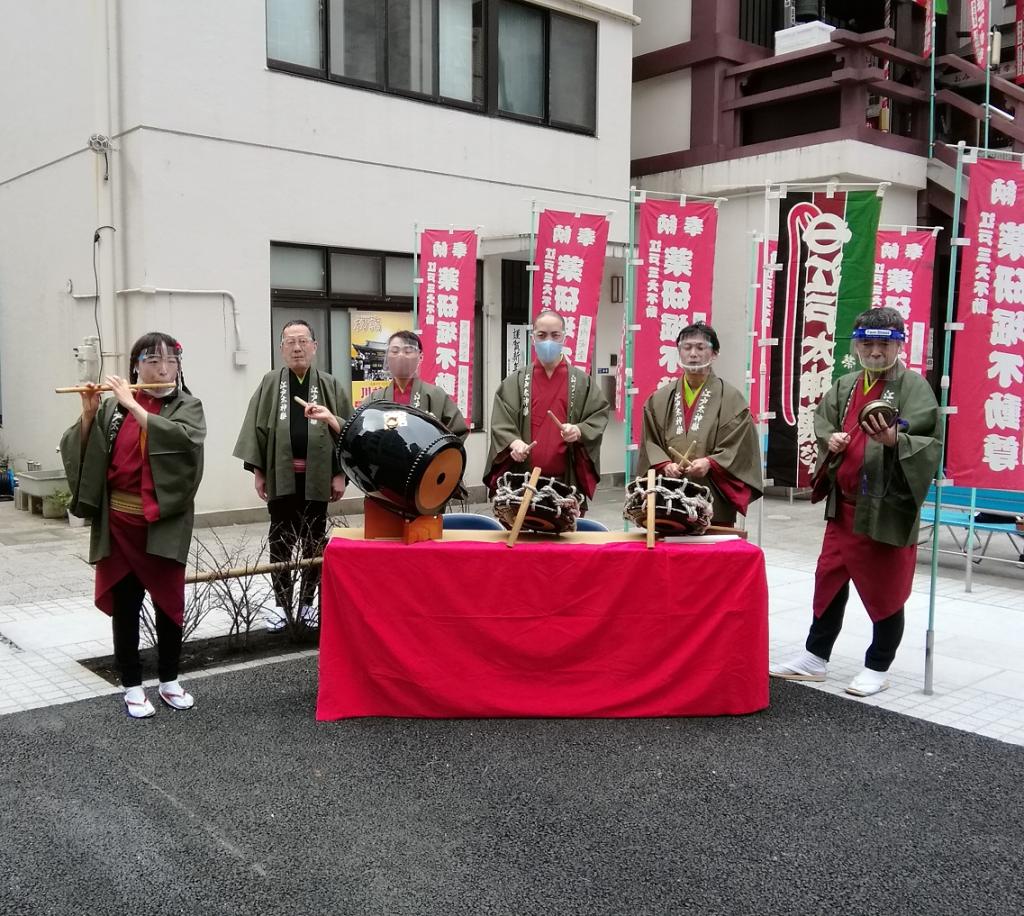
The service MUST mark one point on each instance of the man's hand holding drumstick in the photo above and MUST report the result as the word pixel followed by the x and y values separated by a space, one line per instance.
pixel 682 466
pixel 570 431
pixel 520 451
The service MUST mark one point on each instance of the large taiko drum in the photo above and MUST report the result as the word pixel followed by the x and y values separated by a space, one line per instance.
pixel 680 505
pixel 402 458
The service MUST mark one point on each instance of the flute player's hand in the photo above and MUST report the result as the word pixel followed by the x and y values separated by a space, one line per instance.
pixel 90 401
pixel 122 391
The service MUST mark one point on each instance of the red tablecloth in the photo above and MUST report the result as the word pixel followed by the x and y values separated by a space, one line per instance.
pixel 462 629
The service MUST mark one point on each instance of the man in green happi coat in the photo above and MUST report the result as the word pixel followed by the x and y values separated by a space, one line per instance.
pixel 707 419
pixel 523 436
pixel 293 462
pixel 874 473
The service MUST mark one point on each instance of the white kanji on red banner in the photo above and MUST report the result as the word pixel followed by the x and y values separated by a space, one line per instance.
pixel 569 255
pixel 676 243
pixel 904 275
pixel 985 437
pixel 446 311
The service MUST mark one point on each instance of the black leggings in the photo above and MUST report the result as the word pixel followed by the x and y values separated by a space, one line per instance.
pixel 825 631
pixel 128 595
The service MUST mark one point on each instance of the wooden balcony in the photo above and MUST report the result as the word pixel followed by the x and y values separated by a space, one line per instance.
pixel 832 92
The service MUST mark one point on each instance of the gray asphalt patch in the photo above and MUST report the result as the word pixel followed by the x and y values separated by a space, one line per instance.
pixel 247 805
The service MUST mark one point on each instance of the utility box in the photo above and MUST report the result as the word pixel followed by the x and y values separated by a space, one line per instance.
pixel 800 37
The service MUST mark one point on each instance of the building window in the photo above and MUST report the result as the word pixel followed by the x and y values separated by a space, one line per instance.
pixel 502 57
pixel 338 291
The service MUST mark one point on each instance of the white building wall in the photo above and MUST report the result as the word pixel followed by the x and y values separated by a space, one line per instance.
pixel 217 157
pixel 663 23
pixel 661 115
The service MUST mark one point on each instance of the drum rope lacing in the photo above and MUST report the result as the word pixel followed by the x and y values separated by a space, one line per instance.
pixel 505 493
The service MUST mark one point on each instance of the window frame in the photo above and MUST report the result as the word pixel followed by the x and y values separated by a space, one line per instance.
pixel 488 105
pixel 325 301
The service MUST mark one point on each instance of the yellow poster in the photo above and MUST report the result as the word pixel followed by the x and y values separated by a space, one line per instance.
pixel 370 333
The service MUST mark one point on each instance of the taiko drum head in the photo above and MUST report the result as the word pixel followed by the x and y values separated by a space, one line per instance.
pixel 402 458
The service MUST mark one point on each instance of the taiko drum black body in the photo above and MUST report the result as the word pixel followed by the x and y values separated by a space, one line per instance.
pixel 402 458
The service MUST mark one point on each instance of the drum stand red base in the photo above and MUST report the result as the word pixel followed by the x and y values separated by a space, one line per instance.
pixel 379 523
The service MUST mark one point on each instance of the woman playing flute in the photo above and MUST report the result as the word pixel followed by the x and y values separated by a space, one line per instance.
pixel 134 462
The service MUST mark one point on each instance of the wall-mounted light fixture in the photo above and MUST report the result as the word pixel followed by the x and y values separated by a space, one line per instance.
pixel 618 288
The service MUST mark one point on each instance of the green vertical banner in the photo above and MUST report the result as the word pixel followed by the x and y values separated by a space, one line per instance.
pixel 863 210
pixel 827 255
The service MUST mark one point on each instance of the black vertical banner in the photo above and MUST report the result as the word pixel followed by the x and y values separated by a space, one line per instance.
pixel 781 460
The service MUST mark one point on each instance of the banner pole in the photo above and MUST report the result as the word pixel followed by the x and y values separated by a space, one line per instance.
pixel 627 318
pixel 416 277
pixel 752 298
pixel 988 68
pixel 533 265
pixel 931 93
pixel 929 646
pixel 765 358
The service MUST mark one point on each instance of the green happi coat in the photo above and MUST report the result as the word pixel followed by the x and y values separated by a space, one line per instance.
pixel 510 419
pixel 265 440
pixel 897 479
pixel 721 428
pixel 430 398
pixel 174 448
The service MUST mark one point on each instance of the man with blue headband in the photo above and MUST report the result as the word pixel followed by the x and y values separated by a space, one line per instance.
pixel 879 441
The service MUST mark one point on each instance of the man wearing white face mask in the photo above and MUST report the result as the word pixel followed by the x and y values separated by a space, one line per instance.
pixel 875 476
pixel 523 435
pixel 709 418
pixel 404 356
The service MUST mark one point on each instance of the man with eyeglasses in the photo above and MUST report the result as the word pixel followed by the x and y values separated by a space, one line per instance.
pixel 704 416
pixel 523 435
pixel 404 357
pixel 295 469
pixel 874 469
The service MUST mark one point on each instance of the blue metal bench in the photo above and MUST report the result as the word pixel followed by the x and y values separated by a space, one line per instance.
pixel 975 512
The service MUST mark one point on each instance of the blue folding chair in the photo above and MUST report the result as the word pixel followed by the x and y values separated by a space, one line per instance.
pixel 589 524
pixel 470 521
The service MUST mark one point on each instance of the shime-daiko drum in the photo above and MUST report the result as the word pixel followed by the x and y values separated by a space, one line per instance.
pixel 554 507
pixel 680 505
pixel 402 458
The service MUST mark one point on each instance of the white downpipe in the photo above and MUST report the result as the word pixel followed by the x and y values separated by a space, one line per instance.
pixel 223 293
pixel 103 21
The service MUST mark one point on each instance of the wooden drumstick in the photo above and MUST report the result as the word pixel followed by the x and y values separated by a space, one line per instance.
pixel 682 460
pixel 524 507
pixel 558 422
pixel 303 404
pixel 138 386
pixel 650 508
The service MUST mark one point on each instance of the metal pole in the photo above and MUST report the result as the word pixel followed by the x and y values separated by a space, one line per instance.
pixel 988 69
pixel 764 360
pixel 533 264
pixel 929 650
pixel 627 318
pixel 415 277
pixel 931 94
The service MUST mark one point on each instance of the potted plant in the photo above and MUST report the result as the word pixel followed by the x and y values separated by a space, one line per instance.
pixel 58 504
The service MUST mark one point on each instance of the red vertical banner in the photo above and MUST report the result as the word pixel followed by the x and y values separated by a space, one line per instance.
pixel 979 10
pixel 760 357
pixel 904 276
pixel 676 244
pixel 448 291
pixel 570 266
pixel 987 387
